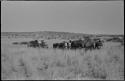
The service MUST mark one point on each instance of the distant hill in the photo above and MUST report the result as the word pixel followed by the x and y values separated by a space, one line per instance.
pixel 53 35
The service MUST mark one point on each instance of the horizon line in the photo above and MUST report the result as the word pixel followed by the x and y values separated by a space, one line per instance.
pixel 59 32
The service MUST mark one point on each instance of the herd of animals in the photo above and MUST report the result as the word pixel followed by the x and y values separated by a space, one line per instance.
pixel 88 44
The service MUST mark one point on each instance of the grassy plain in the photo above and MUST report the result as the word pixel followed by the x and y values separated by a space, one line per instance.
pixel 22 63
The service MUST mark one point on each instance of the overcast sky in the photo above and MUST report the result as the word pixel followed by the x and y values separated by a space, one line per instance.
pixel 98 17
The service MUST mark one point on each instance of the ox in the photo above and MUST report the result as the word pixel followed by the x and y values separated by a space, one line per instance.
pixel 93 44
pixel 98 44
pixel 61 45
pixel 76 44
pixel 33 44
pixel 24 43
pixel 37 43
pixel 15 43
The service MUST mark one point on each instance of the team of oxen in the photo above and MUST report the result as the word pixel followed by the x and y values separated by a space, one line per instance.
pixel 33 43
pixel 79 44
pixel 88 44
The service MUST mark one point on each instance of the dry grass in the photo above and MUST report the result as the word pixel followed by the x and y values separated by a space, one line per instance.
pixel 20 62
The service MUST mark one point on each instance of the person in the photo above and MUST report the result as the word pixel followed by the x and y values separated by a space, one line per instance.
pixel 69 44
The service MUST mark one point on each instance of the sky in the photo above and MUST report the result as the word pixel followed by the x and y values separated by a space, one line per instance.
pixel 91 17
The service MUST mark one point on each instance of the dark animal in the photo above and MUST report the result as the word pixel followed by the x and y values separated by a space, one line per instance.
pixel 24 43
pixel 62 45
pixel 93 44
pixel 33 44
pixel 59 45
pixel 15 43
pixel 76 44
pixel 89 45
pixel 98 44
pixel 55 45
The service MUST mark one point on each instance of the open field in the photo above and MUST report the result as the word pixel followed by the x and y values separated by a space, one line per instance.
pixel 21 62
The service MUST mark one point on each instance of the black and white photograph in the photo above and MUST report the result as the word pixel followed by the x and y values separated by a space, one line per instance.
pixel 62 40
